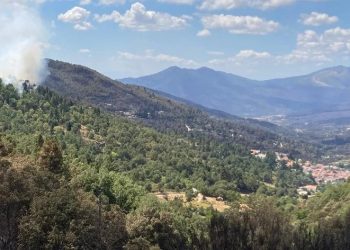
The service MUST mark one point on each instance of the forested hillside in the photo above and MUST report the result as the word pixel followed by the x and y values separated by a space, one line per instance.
pixel 75 177
pixel 146 106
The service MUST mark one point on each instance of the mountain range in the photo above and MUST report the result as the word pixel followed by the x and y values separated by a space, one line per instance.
pixel 324 90
pixel 167 113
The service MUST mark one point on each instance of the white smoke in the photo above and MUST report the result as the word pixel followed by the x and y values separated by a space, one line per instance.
pixel 22 41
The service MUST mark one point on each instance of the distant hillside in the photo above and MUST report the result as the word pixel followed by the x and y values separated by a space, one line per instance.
pixel 138 103
pixel 323 90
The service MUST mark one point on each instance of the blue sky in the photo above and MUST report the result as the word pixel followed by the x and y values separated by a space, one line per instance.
pixel 258 39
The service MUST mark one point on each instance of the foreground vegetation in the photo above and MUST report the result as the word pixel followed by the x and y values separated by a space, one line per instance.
pixel 73 177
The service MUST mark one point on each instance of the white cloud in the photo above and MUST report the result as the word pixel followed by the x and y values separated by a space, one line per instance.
pixel 84 51
pixel 77 16
pixel 150 55
pixel 83 26
pixel 141 19
pixel 204 33
pixel 74 15
pixel 114 16
pixel 312 48
pixel 189 2
pixel 245 61
pixel 232 4
pixel 251 54
pixel 330 45
pixel 85 2
pixel 317 19
pixel 240 24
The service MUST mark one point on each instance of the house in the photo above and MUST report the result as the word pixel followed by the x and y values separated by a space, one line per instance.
pixel 219 198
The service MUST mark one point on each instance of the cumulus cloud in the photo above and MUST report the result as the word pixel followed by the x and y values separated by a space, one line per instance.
pixel 251 54
pixel 317 19
pixel 312 48
pixel 232 4
pixel 246 62
pixel 204 33
pixel 240 24
pixel 77 16
pixel 324 47
pixel 141 19
pixel 22 41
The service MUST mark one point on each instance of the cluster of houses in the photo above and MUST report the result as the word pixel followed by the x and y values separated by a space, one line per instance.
pixel 322 174
pixel 326 174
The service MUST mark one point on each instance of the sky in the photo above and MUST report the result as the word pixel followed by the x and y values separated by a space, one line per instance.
pixel 259 39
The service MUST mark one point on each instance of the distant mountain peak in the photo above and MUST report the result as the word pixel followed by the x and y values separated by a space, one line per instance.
pixel 172 68
pixel 205 69
pixel 338 69
pixel 177 68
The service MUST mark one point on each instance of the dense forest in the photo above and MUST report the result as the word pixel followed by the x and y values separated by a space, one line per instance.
pixel 76 177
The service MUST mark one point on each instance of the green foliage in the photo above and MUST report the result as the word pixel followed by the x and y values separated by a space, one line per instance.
pixel 255 225
pixel 170 226
pixel 14 199
pixel 50 156
pixel 73 177
pixel 289 179
pixel 334 200
pixel 59 220
pixel 118 189
pixel 144 155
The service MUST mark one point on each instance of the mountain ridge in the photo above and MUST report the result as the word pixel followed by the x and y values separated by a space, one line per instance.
pixel 162 113
pixel 250 98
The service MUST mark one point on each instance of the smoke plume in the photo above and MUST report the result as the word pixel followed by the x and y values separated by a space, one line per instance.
pixel 22 42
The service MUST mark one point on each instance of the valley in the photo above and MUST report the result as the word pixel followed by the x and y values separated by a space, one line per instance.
pixel 330 129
